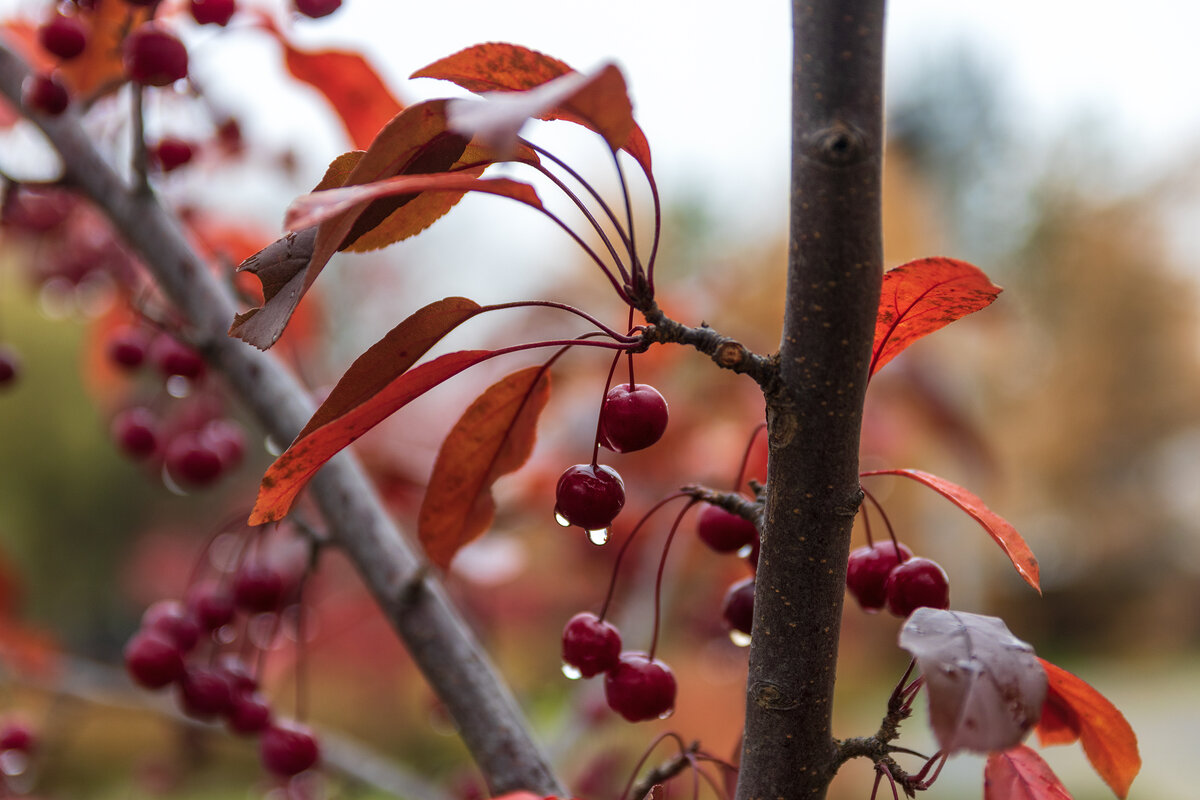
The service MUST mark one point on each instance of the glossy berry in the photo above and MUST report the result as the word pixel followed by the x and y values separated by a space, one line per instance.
pixel 190 461
pixel 317 8
pixel 127 346
pixel 257 587
pixel 723 530
pixel 916 583
pixel 589 496
pixel 248 713
pixel 17 735
pixel 63 37
pixel 153 56
pixel 45 93
pixel 173 357
pixel 135 431
pixel 632 417
pixel 170 153
pixel 204 693
pixel 171 618
pixel 153 660
pixel 10 366
pixel 639 689
pixel 868 569
pixel 213 12
pixel 288 748
pixel 210 604
pixel 589 644
pixel 738 606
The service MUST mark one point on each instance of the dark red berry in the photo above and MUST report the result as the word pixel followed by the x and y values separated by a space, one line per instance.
pixel 589 644
pixel 237 673
pixel 17 735
pixel 213 12
pixel 170 618
pixel 173 357
pixel 916 583
pixel 868 569
pixel 317 8
pixel 738 606
pixel 153 56
pixel 288 748
pixel 10 366
pixel 204 693
pixel 632 418
pixel 153 660
pixel 211 604
pixel 190 461
pixel 135 430
pixel 228 440
pixel 127 346
pixel 62 36
pixel 723 530
pixel 45 93
pixel 170 153
pixel 257 587
pixel 589 496
pixel 640 689
pixel 248 713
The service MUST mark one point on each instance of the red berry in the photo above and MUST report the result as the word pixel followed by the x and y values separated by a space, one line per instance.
pixel 153 56
pixel 170 618
pixel 868 569
pixel 173 357
pixel 589 644
pixel 64 37
pixel 258 587
pixel 632 418
pixel 738 606
pixel 248 713
pixel 135 430
pixel 916 583
pixel 45 93
pixel 127 346
pixel 170 153
pixel 210 604
pixel 288 748
pixel 723 530
pixel 191 461
pixel 204 693
pixel 237 673
pixel 17 735
pixel 153 660
pixel 10 366
pixel 213 12
pixel 639 689
pixel 227 439
pixel 317 8
pixel 589 496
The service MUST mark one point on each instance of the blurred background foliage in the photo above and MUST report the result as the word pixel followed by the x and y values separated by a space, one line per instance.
pixel 1070 406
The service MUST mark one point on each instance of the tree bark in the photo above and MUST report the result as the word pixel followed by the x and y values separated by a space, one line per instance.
pixel 814 413
pixel 444 648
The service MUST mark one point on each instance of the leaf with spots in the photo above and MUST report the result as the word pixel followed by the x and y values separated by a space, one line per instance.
pixel 1020 774
pixel 922 296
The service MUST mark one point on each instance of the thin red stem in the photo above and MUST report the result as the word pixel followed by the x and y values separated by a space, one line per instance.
pixel 887 522
pixel 612 583
pixel 635 268
pixel 600 416
pixel 662 563
pixel 608 212
pixel 737 483
pixel 645 757
pixel 562 307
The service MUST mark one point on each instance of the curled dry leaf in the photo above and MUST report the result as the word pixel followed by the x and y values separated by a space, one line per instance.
pixel 1021 774
pixel 985 686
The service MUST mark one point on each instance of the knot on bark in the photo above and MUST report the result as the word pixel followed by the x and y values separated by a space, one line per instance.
pixel 772 697
pixel 730 354
pixel 837 145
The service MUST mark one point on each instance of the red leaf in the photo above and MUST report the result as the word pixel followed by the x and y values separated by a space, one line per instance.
pixel 1107 738
pixel 997 527
pixel 500 67
pixel 921 296
pixel 493 438
pixel 316 207
pixel 377 384
pixel 1020 774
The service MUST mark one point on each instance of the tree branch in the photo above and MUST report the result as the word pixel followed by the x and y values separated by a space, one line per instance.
pixel 440 642
pixel 814 413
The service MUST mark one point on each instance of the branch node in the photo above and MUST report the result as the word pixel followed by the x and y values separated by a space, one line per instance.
pixel 837 145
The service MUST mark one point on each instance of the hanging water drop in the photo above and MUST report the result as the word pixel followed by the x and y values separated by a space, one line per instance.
pixel 740 639
pixel 745 550
pixel 667 714
pixel 571 671
pixel 560 519
pixel 598 537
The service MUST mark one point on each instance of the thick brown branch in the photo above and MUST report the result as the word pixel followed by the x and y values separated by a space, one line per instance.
pixel 445 649
pixel 725 352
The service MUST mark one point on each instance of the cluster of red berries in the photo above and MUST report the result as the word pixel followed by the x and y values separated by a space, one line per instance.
pixel 636 685
pixel 887 573
pixel 195 446
pixel 180 644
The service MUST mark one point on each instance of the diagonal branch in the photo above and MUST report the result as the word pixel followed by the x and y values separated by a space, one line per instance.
pixel 447 652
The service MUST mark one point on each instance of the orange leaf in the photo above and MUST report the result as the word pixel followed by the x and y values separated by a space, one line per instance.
pixel 1107 738
pixel 316 207
pixel 295 467
pixel 1021 774
pixel 921 296
pixel 1059 724
pixel 501 67
pixel 997 527
pixel 492 438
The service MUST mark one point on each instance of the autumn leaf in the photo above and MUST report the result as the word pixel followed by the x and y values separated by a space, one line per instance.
pixel 1021 774
pixel 1108 739
pixel 922 296
pixel 985 686
pixel 502 67
pixel 998 528
pixel 493 437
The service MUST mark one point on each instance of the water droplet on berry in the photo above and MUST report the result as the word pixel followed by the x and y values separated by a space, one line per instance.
pixel 272 447
pixel 560 519
pixel 667 714
pixel 740 639
pixel 745 550
pixel 226 634
pixel 170 483
pixel 178 387
pixel 13 762
pixel 571 672
pixel 598 537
